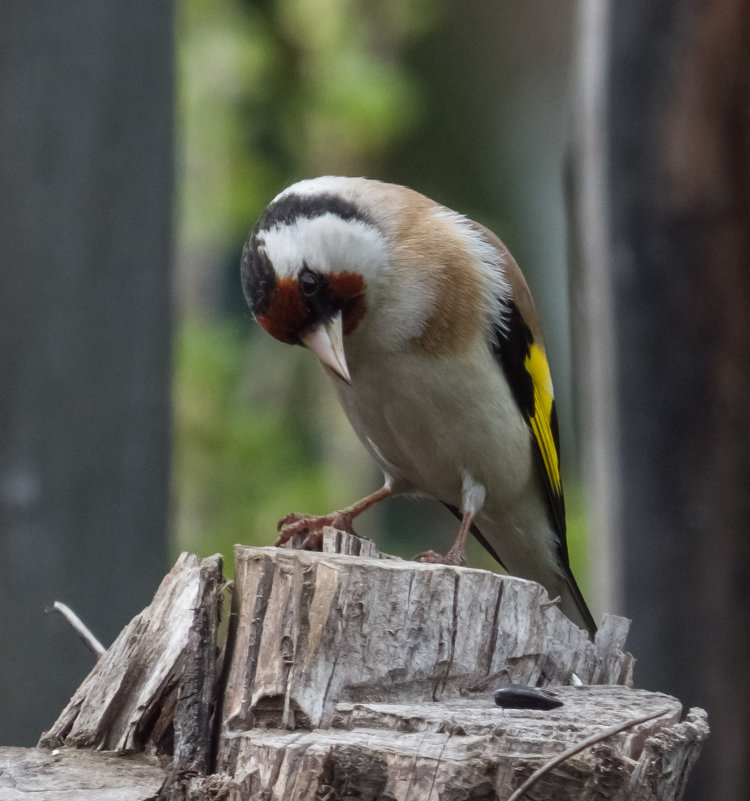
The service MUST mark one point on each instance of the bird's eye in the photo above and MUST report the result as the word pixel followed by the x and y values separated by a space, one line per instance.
pixel 308 281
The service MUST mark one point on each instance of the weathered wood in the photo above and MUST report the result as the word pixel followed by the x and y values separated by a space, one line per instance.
pixel 344 542
pixel 129 697
pixel 70 774
pixel 314 629
pixel 197 688
pixel 468 748
pixel 364 677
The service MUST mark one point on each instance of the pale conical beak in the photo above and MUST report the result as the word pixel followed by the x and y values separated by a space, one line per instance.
pixel 327 343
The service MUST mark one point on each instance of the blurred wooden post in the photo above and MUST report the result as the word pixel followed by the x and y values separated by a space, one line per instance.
pixel 591 301
pixel 85 243
pixel 672 158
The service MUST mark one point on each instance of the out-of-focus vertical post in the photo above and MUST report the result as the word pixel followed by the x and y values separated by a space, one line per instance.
pixel 592 318
pixel 676 173
pixel 85 246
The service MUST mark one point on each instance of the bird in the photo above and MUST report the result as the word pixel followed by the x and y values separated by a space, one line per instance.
pixel 426 326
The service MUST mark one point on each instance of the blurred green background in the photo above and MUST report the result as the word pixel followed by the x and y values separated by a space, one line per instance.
pixel 467 103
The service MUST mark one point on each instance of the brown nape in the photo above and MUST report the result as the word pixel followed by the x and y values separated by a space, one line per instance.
pixel 446 266
pixel 286 314
pixel 348 294
pixel 455 323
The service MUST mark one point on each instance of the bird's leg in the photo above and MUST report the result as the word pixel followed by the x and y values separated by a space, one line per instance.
pixel 310 527
pixel 472 500
pixel 457 553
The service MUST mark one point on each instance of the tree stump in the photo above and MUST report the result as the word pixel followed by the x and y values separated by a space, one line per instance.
pixel 359 677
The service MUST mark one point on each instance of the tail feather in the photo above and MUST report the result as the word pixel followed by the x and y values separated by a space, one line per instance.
pixel 572 603
pixel 574 606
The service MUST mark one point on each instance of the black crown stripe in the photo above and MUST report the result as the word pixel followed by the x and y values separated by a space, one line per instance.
pixel 291 207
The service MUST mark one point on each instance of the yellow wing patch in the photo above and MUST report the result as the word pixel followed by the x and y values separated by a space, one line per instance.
pixel 541 421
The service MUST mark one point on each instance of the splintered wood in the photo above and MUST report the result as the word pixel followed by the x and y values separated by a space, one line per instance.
pixel 469 749
pixel 166 655
pixel 313 630
pixel 382 674
pixel 368 677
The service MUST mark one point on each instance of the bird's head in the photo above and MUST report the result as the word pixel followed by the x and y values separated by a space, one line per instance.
pixel 333 256
pixel 310 266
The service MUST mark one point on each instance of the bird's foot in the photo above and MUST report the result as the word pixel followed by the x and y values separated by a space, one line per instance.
pixel 305 532
pixel 455 556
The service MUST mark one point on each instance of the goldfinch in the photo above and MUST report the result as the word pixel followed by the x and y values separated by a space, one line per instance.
pixel 426 326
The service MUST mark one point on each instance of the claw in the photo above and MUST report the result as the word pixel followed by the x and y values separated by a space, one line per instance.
pixel 293 526
pixel 453 557
pixel 306 531
pixel 313 542
pixel 342 521
pixel 288 520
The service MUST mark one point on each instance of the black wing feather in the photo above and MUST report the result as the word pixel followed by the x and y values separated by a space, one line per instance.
pixel 511 344
pixel 525 367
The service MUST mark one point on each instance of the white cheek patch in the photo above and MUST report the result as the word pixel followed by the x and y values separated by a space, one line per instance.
pixel 327 244
pixel 410 304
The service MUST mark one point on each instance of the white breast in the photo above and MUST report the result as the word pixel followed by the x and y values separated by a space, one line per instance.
pixel 430 420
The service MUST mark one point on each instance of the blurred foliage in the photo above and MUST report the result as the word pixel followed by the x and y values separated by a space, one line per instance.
pixel 277 89
pixel 243 450
pixel 272 91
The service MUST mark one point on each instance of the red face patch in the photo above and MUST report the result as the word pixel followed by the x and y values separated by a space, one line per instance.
pixel 287 313
pixel 290 314
pixel 348 289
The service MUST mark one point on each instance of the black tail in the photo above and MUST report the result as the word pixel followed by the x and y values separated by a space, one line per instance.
pixel 573 607
pixel 579 612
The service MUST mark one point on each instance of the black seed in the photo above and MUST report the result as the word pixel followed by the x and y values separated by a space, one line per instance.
pixel 519 696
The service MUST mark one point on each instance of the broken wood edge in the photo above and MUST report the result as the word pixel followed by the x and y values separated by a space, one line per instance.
pixel 678 746
pixel 578 747
pixel 279 589
pixel 202 672
pixel 195 721
pixel 126 704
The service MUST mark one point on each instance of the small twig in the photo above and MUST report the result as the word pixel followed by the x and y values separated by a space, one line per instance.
pixel 81 629
pixel 574 749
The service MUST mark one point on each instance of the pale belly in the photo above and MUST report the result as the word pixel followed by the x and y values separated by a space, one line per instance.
pixel 430 422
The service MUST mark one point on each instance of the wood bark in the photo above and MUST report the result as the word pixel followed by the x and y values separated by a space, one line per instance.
pixel 363 677
pixel 163 661
pixel 314 630
pixel 77 775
